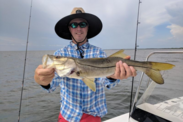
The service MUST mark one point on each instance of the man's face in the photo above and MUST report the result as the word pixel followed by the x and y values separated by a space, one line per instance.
pixel 78 33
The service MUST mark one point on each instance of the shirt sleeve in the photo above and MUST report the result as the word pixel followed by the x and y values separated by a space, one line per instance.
pixel 54 83
pixel 109 83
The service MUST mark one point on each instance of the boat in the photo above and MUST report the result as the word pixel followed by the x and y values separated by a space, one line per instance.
pixel 156 105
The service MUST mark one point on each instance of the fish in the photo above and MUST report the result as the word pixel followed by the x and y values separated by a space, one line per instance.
pixel 89 69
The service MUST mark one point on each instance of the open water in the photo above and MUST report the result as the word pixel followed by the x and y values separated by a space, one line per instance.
pixel 40 106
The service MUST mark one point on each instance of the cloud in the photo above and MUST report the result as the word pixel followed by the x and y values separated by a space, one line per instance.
pixel 10 41
pixel 151 15
pixel 161 24
pixel 175 11
pixel 114 18
pixel 176 31
pixel 118 18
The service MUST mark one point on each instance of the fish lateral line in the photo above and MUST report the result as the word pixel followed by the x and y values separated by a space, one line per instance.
pixel 96 66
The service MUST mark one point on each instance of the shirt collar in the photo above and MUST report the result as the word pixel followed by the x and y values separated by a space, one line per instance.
pixel 84 46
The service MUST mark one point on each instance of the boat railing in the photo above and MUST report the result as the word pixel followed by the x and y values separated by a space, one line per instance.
pixel 155 52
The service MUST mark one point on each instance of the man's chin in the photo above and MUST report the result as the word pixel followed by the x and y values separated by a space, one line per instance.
pixel 79 40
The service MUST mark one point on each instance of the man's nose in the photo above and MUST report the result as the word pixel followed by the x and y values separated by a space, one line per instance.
pixel 78 27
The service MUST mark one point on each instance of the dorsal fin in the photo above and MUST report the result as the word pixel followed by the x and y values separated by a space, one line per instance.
pixel 119 54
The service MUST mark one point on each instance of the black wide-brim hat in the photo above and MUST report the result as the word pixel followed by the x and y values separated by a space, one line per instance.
pixel 62 26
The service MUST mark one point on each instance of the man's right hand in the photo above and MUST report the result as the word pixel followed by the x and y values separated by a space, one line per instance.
pixel 44 76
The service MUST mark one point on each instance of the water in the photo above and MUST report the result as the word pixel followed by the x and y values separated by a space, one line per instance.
pixel 40 106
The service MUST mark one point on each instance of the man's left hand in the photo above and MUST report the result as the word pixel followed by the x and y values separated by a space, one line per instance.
pixel 123 71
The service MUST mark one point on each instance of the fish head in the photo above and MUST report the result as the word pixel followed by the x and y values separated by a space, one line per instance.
pixel 51 61
pixel 46 61
pixel 64 66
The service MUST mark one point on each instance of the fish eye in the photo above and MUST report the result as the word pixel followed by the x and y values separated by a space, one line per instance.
pixel 78 73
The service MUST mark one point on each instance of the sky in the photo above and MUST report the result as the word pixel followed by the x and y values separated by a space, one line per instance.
pixel 161 23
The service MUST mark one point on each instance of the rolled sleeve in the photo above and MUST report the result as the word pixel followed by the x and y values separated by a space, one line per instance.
pixel 109 83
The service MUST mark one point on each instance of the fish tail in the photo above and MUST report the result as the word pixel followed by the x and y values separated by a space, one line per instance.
pixel 155 75
pixel 161 66
pixel 154 71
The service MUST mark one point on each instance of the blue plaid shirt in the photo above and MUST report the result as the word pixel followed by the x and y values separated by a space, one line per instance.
pixel 76 97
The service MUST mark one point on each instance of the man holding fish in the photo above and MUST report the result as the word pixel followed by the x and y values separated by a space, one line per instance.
pixel 83 70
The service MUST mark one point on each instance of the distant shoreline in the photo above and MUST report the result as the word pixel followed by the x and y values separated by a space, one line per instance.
pixel 103 49
pixel 148 48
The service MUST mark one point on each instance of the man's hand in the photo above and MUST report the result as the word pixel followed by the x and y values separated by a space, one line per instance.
pixel 123 71
pixel 44 76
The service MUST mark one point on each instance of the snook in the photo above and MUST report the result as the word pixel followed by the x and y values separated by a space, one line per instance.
pixel 89 69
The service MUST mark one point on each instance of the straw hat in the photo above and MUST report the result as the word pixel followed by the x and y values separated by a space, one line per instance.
pixel 95 24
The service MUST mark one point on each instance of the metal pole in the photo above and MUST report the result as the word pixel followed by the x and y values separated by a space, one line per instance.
pixel 25 63
pixel 134 57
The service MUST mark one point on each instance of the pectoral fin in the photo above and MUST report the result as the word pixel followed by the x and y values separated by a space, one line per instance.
pixel 119 54
pixel 90 82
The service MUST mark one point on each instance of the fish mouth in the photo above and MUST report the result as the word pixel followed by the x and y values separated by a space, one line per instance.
pixel 44 61
pixel 72 71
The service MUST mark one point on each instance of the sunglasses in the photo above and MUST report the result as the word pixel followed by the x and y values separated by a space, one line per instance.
pixel 75 25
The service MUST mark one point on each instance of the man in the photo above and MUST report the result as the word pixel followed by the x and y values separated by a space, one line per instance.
pixel 79 103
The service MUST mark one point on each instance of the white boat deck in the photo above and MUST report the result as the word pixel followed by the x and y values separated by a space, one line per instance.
pixel 171 110
pixel 121 118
